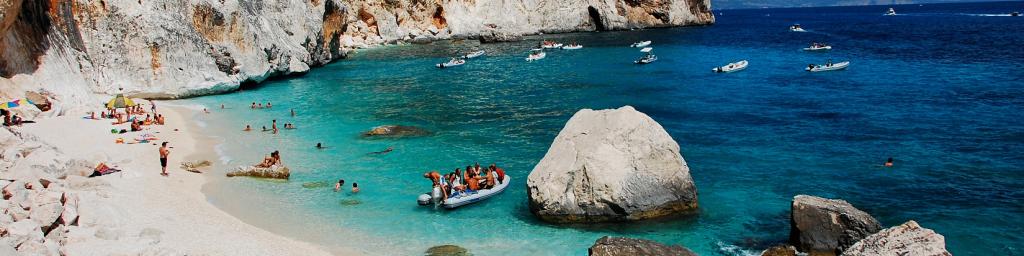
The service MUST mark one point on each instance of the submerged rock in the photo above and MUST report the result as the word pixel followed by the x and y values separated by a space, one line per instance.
pixel 315 184
pixel 828 226
pixel 906 239
pixel 621 246
pixel 273 172
pixel 447 250
pixel 396 131
pixel 611 165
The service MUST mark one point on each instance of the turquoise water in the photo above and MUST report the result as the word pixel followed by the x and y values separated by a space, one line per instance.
pixel 939 88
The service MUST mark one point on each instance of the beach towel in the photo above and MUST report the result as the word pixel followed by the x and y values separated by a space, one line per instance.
pixel 103 169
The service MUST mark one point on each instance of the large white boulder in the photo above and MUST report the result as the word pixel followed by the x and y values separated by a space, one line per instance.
pixel 611 165
pixel 906 239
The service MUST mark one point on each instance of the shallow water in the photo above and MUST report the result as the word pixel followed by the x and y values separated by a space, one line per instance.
pixel 936 89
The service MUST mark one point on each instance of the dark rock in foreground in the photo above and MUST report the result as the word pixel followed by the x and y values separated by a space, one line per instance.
pixel 906 239
pixel 828 226
pixel 780 250
pixel 447 250
pixel 621 246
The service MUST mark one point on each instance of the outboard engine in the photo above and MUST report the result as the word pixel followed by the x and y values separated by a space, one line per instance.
pixel 424 199
pixel 436 195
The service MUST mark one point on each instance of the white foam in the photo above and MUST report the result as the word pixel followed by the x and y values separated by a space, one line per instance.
pixel 733 250
pixel 222 156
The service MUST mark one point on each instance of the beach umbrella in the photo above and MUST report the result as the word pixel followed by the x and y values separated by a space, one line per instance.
pixel 14 103
pixel 120 101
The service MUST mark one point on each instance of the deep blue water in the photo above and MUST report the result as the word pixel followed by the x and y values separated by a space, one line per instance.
pixel 939 88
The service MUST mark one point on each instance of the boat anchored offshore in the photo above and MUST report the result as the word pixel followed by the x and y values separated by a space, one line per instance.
pixel 732 67
pixel 818 47
pixel 572 47
pixel 550 45
pixel 796 28
pixel 640 44
pixel 462 198
pixel 473 54
pixel 646 59
pixel 536 54
pixel 452 63
pixel 828 66
pixel 647 49
pixel 891 12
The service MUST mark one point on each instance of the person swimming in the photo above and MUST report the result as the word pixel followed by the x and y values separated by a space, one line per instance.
pixel 385 151
pixel 265 129
pixel 247 128
pixel 337 186
pixel 355 187
pixel 320 146
pixel 888 163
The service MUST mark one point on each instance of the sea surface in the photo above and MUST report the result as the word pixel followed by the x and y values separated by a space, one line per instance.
pixel 939 88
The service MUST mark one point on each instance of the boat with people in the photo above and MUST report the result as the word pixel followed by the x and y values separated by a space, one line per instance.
pixel 828 66
pixel 640 44
pixel 731 67
pixel 550 45
pixel 473 54
pixel 452 63
pixel 891 12
pixel 572 46
pixel 536 54
pixel 646 59
pixel 457 189
pixel 818 47
pixel 796 28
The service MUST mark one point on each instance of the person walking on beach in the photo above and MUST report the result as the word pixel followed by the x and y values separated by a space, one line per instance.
pixel 164 152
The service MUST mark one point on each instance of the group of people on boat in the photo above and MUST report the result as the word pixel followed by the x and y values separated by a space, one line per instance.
pixel 473 179
pixel 815 45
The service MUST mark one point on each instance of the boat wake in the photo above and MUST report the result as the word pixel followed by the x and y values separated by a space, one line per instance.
pixel 986 15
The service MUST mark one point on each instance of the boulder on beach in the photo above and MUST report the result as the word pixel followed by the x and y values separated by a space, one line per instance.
pixel 611 165
pixel 396 131
pixel 906 239
pixel 780 250
pixel 621 246
pixel 273 172
pixel 828 226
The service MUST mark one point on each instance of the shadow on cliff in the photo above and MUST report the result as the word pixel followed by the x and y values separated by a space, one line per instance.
pixel 37 27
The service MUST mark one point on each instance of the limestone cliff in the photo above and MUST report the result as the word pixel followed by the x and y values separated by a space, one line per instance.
pixel 74 50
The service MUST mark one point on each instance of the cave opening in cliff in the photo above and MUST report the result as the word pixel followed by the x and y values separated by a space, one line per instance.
pixel 595 16
pixel 438 19
pixel 26 38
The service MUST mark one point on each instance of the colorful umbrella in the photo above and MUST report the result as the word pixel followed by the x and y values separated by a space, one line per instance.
pixel 120 101
pixel 14 103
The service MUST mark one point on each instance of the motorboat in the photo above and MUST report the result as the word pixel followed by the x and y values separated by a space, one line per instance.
pixel 818 47
pixel 452 63
pixel 462 198
pixel 640 44
pixel 572 47
pixel 828 66
pixel 796 28
pixel 550 45
pixel 647 49
pixel 731 67
pixel 1014 14
pixel 891 12
pixel 646 59
pixel 536 54
pixel 474 54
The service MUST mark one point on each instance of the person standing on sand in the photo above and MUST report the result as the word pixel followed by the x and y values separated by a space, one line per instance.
pixel 152 106
pixel 164 152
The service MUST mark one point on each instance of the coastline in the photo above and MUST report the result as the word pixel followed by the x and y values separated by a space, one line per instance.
pixel 139 211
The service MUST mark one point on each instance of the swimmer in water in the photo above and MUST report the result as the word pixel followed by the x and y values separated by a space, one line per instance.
pixel 247 128
pixel 320 146
pixel 337 186
pixel 355 187
pixel 385 151
pixel 888 163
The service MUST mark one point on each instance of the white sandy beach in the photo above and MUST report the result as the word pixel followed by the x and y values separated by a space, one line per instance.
pixel 138 211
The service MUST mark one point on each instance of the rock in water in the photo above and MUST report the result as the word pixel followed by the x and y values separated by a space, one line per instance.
pixel 828 226
pixel 447 250
pixel 395 131
pixel 611 165
pixel 906 239
pixel 621 246
pixel 274 172
pixel 780 250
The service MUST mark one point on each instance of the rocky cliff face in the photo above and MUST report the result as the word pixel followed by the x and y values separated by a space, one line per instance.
pixel 75 49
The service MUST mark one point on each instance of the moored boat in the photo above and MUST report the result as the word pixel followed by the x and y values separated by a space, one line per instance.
pixel 731 67
pixel 640 44
pixel 891 12
pixel 828 66
pixel 572 47
pixel 796 28
pixel 474 54
pixel 646 59
pixel 451 63
pixel 646 49
pixel 818 47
